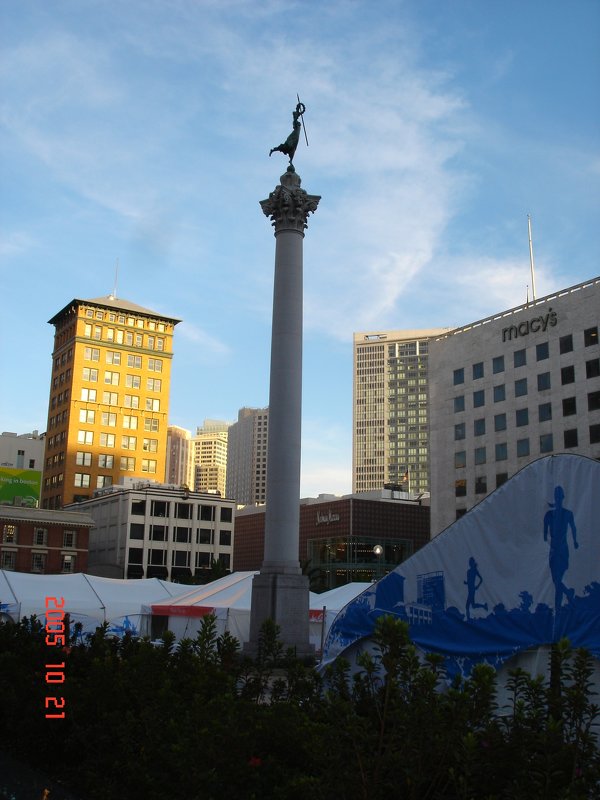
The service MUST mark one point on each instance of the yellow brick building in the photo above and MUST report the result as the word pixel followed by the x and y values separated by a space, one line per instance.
pixel 109 398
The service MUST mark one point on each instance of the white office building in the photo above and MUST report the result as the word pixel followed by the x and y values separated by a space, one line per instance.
pixel 509 389
pixel 210 457
pixel 149 530
pixel 247 457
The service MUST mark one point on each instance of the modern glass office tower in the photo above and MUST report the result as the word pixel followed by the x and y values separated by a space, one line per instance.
pixel 390 440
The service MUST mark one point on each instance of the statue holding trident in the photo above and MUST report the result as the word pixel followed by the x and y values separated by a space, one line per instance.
pixel 288 147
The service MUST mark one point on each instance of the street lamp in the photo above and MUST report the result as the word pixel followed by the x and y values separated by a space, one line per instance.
pixel 378 550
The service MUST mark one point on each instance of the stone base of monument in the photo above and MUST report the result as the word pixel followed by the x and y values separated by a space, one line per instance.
pixel 282 597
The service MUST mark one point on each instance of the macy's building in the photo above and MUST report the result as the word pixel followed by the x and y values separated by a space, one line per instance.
pixel 509 389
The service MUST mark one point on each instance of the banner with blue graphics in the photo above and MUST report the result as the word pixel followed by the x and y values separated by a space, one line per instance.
pixel 521 569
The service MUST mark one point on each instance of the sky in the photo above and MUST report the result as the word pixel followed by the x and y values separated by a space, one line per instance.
pixel 134 141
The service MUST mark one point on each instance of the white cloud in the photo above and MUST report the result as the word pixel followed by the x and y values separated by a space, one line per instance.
pixel 14 243
pixel 208 348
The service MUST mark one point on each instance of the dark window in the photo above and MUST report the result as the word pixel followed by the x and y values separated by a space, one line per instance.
pixel 542 351
pixel 225 538
pixel 594 434
pixel 226 515
pixel 522 417
pixel 159 508
pixel 481 485
pixel 207 513
pixel 460 512
pixel 501 477
pixel 570 437
pixel 460 459
pixel 479 398
pixel 459 431
pixel 498 364
pixel 567 375
pixel 594 401
pixel 204 536
pixel 521 387
pixel 480 455
pixel 479 427
pixel 546 443
pixel 158 533
pixel 500 422
pixel 136 555
pixel 499 393
pixel 182 535
pixel 569 406
pixel 592 368
pixel 225 559
pixel 543 381
pixel 590 336
pixel 522 447
pixel 460 487
pixel 565 344
pixel 158 557
pixel 138 507
pixel 501 451
pixel 459 376
pixel 478 370
pixel 545 412
pixel 136 531
pixel 180 558
pixel 183 511
pixel 203 560
pixel 459 403
pixel 520 358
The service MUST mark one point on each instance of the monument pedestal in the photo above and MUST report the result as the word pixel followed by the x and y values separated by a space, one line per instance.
pixel 283 598
pixel 280 592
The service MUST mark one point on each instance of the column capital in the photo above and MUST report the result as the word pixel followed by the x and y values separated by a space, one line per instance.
pixel 288 205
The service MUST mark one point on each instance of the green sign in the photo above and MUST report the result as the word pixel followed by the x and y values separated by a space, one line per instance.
pixel 23 483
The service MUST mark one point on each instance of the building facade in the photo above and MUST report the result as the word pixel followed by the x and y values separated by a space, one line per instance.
pixel 21 460
pixel 509 389
pixel 180 457
pixel 210 457
pixel 144 529
pixel 43 541
pixel 109 397
pixel 390 433
pixel 247 457
pixel 342 539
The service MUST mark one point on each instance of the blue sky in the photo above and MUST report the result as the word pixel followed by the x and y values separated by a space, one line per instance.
pixel 139 131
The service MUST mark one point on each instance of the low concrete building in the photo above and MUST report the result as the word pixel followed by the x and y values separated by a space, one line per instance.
pixel 358 537
pixel 144 529
pixel 43 541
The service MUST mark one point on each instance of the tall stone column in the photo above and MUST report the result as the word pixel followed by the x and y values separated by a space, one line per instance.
pixel 280 592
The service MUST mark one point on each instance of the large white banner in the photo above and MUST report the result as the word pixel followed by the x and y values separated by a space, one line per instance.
pixel 521 569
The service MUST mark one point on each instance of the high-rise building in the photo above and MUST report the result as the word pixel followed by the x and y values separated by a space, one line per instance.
pixel 180 457
pixel 509 389
pixel 247 457
pixel 390 437
pixel 210 457
pixel 109 397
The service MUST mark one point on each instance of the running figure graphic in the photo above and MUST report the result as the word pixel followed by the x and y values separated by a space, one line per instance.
pixel 473 585
pixel 557 521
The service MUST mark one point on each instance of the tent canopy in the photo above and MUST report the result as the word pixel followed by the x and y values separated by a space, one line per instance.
pixel 518 571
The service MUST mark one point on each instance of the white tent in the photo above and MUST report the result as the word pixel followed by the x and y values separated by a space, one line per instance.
pixel 88 599
pixel 229 599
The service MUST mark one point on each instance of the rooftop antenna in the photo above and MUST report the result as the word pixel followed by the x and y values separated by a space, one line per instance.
pixel 532 266
pixel 114 291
